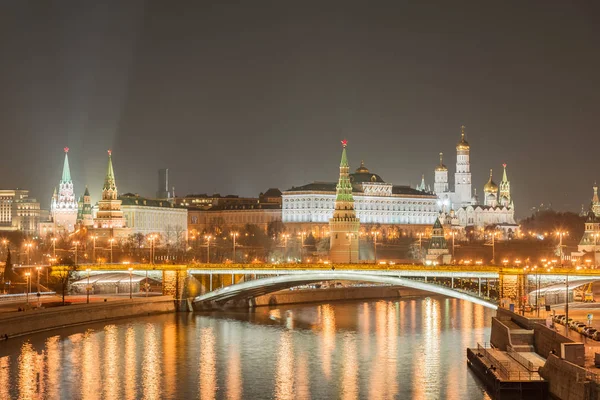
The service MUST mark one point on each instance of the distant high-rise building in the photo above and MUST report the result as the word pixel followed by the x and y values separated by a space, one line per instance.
pixel 163 185
pixel 64 205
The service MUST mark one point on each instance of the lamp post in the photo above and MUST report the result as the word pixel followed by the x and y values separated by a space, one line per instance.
pixel 130 283
pixel 53 247
pixel 94 237
pixel 111 240
pixel 76 243
pixel 234 235
pixel 38 269
pixel 560 235
pixel 375 233
pixel 302 234
pixel 567 305
pixel 152 238
pixel 28 247
pixel 208 237
pixel 350 236
pixel 88 288
pixel 286 236
pixel 595 249
pixel 28 279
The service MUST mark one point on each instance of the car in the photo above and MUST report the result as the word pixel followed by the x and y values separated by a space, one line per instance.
pixel 596 335
pixel 573 323
pixel 589 331
pixel 580 327
pixel 558 318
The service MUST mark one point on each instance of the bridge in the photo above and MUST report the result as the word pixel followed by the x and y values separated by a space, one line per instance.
pixel 218 284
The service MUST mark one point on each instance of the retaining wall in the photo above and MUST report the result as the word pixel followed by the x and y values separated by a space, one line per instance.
pixel 333 294
pixel 567 380
pixel 15 324
pixel 500 336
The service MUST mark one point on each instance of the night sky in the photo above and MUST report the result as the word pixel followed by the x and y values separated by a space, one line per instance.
pixel 239 98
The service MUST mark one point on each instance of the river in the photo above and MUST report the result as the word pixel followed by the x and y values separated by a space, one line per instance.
pixel 387 349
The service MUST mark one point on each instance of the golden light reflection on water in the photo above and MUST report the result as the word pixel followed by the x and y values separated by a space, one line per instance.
pixel 27 372
pixel 208 364
pixel 284 370
pixel 349 386
pixel 383 369
pixel 170 338
pixel 364 327
pixel 90 371
pixel 53 366
pixel 426 372
pixel 112 381
pixel 4 377
pixel 328 337
pixel 303 382
pixel 130 364
pixel 151 364
pixel 234 369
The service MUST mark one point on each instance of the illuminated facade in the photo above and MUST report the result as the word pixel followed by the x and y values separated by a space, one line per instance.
pixel 64 207
pixel 595 206
pixel 153 216
pixel 344 225
pixel 19 212
pixel 109 214
pixel 462 207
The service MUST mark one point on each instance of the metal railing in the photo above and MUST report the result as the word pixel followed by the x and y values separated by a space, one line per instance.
pixel 522 360
pixel 23 296
pixel 504 367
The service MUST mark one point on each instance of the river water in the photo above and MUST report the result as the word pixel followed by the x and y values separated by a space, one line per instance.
pixel 388 349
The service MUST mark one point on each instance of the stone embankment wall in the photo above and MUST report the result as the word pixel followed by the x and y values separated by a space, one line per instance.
pixel 567 380
pixel 336 294
pixel 500 336
pixel 15 324
pixel 547 339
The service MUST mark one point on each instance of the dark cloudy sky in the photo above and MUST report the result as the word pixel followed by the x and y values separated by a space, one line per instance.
pixel 239 98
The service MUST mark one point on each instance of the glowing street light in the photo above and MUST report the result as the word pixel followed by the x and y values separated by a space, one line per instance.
pixel 130 283
pixel 88 270
pixel 28 280
pixel 208 238
pixel 234 235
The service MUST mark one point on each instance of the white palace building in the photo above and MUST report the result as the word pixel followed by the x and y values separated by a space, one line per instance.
pixel 376 202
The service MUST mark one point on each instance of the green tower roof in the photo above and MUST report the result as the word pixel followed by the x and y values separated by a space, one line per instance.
pixel 66 174
pixel 109 180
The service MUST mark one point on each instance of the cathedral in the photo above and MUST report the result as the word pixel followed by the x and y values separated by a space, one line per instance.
pixel 461 207
pixel 63 207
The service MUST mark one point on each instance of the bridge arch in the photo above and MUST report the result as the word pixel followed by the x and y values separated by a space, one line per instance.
pixel 262 286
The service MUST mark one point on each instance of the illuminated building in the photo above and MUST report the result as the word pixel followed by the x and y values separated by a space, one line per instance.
pixel 344 225
pixel 19 212
pixel 153 216
pixel 393 208
pixel 108 214
pixel 63 207
pixel 437 249
pixel 460 207
pixel 595 206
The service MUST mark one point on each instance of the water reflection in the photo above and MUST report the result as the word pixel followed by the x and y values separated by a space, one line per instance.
pixel 284 378
pixel 411 348
pixel 208 364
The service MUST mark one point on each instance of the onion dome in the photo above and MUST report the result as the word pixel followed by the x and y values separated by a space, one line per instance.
pixel 490 186
pixel 463 144
pixel 362 169
pixel 441 167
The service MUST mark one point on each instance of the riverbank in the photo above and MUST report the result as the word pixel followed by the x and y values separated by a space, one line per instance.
pixel 27 322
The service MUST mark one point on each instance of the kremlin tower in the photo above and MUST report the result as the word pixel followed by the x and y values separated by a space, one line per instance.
pixel 344 225
pixel 505 199
pixel 596 202
pixel 109 213
pixel 63 207
pixel 462 177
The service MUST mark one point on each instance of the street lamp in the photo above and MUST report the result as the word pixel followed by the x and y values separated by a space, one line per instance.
pixel 76 243
pixel 28 279
pixel 88 270
pixel 130 283
pixel 53 247
pixel 285 236
pixel 94 237
pixel 375 233
pixel 111 240
pixel 208 237
pixel 560 235
pixel 234 235
pixel 302 234
pixel 28 247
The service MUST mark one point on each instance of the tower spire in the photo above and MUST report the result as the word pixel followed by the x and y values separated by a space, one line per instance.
pixel 66 174
pixel 109 180
pixel 344 186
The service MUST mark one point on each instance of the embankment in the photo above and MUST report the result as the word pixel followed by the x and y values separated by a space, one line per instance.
pixel 22 323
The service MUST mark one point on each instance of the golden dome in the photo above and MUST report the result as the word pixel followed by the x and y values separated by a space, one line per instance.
pixel 490 186
pixel 463 144
pixel 441 167
pixel 362 168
